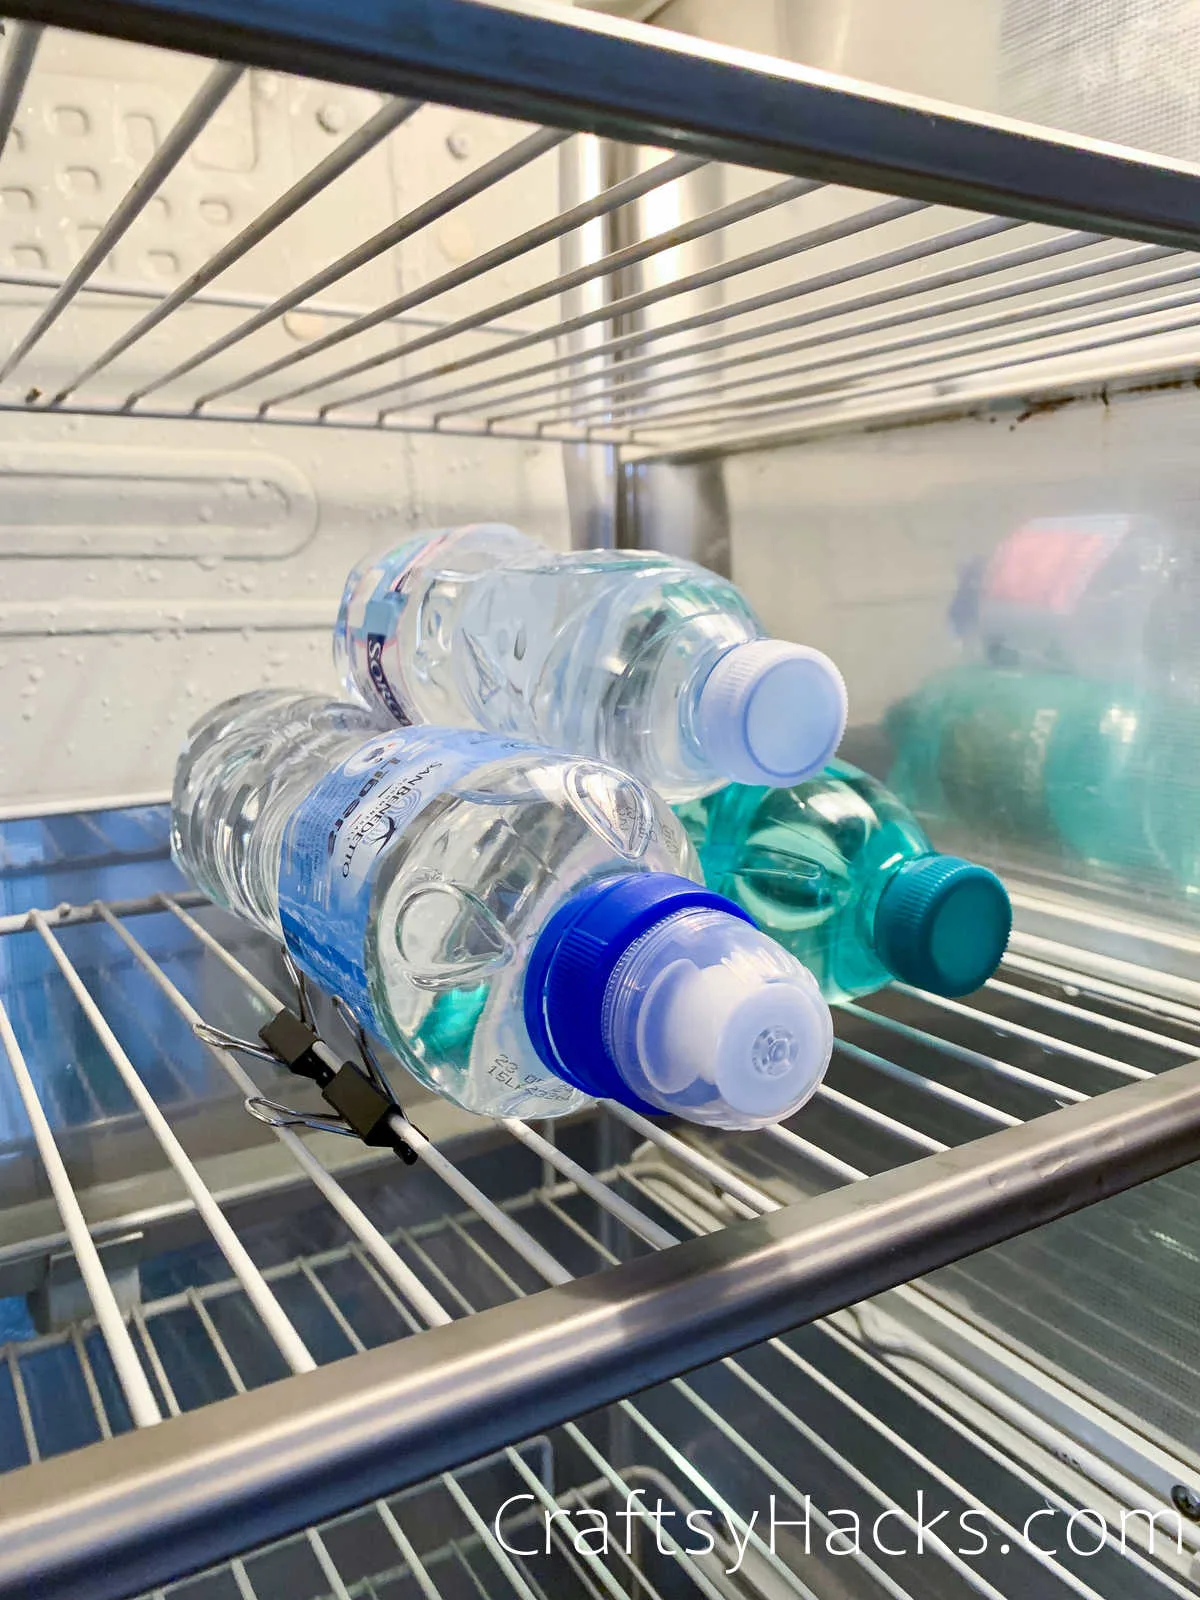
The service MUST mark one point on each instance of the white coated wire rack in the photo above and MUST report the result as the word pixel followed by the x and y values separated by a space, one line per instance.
pixel 661 302
pixel 245 1271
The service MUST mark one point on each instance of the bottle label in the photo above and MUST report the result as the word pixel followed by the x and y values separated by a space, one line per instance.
pixel 378 677
pixel 336 837
pixel 373 620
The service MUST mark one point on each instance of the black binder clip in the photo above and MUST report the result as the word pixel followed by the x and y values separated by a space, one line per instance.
pixel 360 1096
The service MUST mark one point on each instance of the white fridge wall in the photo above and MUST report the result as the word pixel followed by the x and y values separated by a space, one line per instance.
pixel 149 568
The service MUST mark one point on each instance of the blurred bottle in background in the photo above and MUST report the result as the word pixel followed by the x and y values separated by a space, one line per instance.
pixel 1109 596
pixel 1107 772
pixel 841 873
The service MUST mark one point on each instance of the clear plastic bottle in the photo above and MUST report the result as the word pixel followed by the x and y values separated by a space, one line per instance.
pixel 643 660
pixel 523 928
pixel 840 872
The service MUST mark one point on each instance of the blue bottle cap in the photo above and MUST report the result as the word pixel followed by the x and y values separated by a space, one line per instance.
pixel 572 961
pixel 942 924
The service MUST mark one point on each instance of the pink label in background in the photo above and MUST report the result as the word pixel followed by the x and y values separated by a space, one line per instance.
pixel 1048 565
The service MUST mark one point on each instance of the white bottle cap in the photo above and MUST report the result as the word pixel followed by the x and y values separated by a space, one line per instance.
pixel 711 1020
pixel 763 1046
pixel 771 712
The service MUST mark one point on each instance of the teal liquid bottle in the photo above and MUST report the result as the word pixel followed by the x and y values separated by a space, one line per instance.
pixel 840 872
pixel 1102 773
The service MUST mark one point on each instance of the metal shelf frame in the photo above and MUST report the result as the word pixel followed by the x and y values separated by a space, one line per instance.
pixel 1078 248
pixel 597 74
pixel 642 379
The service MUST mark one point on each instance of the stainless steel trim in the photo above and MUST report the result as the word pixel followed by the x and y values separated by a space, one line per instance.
pixel 138 1509
pixel 586 167
pixel 588 72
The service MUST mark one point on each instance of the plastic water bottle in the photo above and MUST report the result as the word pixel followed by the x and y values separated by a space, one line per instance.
pixel 643 660
pixel 1097 772
pixel 839 871
pixel 523 928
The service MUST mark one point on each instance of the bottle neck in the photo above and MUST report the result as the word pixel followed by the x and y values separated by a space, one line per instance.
pixel 693 738
pixel 658 994
pixel 571 966
pixel 872 898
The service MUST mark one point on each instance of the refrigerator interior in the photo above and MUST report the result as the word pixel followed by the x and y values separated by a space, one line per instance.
pixel 257 324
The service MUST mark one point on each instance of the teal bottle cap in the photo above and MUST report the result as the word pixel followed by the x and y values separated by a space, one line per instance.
pixel 942 924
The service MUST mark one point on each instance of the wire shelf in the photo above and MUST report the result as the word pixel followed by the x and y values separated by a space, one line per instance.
pixel 230 1266
pixel 666 272
pixel 663 302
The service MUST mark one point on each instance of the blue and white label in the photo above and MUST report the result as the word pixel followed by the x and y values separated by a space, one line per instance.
pixel 374 617
pixel 376 643
pixel 336 838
